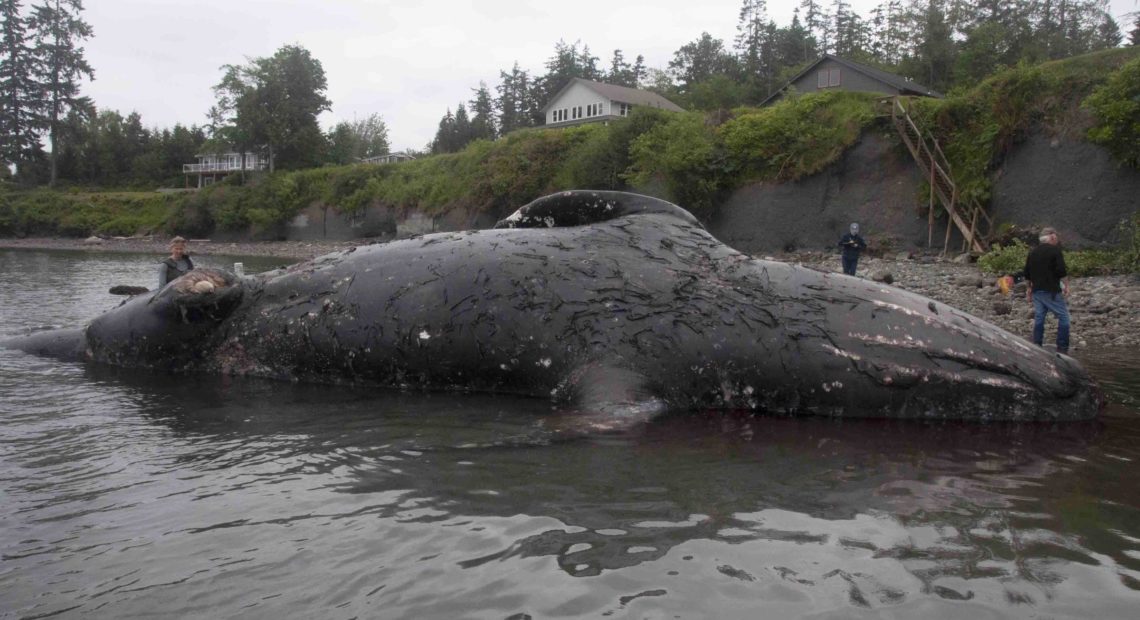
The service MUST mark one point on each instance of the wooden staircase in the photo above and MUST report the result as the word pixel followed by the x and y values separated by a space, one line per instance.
pixel 968 215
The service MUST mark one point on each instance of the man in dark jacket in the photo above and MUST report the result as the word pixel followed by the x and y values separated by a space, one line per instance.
pixel 175 265
pixel 851 244
pixel 1045 270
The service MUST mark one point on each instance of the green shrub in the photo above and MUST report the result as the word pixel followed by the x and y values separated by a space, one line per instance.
pixel 687 155
pixel 1005 259
pixel 1116 105
pixel 798 136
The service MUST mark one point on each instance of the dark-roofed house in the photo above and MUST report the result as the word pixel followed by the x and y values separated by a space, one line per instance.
pixel 584 101
pixel 834 73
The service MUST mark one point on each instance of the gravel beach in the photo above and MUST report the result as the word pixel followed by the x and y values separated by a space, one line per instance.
pixel 1105 309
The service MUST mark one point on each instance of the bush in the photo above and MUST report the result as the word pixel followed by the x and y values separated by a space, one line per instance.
pixel 688 156
pixel 1006 259
pixel 798 136
pixel 1116 105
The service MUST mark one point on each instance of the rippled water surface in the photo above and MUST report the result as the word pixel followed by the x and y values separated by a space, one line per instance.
pixel 127 494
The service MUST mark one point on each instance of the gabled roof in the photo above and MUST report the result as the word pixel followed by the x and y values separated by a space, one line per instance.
pixel 622 94
pixel 899 83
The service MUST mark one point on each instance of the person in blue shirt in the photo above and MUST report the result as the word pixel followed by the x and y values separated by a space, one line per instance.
pixel 851 245
pixel 176 265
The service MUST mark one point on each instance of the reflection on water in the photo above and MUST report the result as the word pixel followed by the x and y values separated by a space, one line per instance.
pixel 129 494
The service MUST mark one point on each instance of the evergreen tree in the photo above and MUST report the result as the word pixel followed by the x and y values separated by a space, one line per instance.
pixel 638 71
pixel 1134 36
pixel 19 93
pixel 445 136
pixel 59 30
pixel 620 72
pixel 463 133
pixel 1108 33
pixel 510 105
pixel 815 21
pixel 483 114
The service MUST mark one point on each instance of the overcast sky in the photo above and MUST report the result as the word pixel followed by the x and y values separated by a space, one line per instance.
pixel 408 61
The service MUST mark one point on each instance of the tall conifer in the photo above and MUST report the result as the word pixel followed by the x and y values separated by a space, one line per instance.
pixel 59 31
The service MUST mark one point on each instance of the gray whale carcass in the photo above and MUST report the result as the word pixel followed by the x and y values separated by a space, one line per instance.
pixel 598 299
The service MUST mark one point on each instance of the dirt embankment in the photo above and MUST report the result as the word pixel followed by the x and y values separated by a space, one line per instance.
pixel 1072 185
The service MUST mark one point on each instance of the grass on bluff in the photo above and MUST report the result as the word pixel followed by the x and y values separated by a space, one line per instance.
pixel 978 126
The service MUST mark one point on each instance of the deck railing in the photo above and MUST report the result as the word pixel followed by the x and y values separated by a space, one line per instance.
pixel 223 166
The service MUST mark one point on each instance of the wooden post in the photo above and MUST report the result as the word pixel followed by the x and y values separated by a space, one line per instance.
pixel 930 211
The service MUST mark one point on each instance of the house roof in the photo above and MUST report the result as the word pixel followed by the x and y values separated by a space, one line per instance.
pixel 622 94
pixel 903 85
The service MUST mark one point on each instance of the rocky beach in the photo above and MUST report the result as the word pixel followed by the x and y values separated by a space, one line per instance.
pixel 1105 309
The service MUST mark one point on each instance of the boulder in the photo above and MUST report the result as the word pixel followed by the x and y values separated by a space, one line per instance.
pixel 1002 308
pixel 93 240
pixel 882 276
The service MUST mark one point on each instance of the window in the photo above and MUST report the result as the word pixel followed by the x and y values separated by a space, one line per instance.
pixel 579 111
pixel 623 109
pixel 574 113
pixel 827 78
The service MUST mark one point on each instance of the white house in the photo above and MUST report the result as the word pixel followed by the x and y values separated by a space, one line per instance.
pixel 388 158
pixel 584 101
pixel 211 166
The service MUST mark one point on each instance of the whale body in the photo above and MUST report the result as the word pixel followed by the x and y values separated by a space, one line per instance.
pixel 593 299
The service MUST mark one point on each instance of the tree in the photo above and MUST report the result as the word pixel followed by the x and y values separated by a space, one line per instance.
pixel 511 104
pixel 272 104
pixel 699 60
pixel 483 114
pixel 353 141
pixel 1108 33
pixel 20 117
pixel 1134 36
pixel 445 137
pixel 58 31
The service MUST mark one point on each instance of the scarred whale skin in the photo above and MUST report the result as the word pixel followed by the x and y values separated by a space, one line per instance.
pixel 594 298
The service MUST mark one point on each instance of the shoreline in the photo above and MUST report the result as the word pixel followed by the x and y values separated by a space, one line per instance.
pixel 1105 310
pixel 159 246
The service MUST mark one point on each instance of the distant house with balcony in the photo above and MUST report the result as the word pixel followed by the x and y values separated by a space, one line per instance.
pixel 388 158
pixel 831 73
pixel 584 101
pixel 214 166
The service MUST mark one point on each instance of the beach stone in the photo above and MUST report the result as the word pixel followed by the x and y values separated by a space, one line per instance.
pixel 1002 308
pixel 962 259
pixel 901 256
pixel 93 240
pixel 882 276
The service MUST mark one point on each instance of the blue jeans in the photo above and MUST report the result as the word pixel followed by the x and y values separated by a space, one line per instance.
pixel 849 264
pixel 1044 303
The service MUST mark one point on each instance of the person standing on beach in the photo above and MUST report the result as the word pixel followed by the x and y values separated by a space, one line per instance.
pixel 851 244
pixel 1048 288
pixel 175 265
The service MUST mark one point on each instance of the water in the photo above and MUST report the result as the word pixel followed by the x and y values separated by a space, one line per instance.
pixel 127 494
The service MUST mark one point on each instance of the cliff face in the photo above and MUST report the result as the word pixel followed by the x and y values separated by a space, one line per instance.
pixel 874 184
pixel 1072 185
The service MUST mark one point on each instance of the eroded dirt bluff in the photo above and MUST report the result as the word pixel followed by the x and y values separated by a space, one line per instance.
pixel 1072 185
